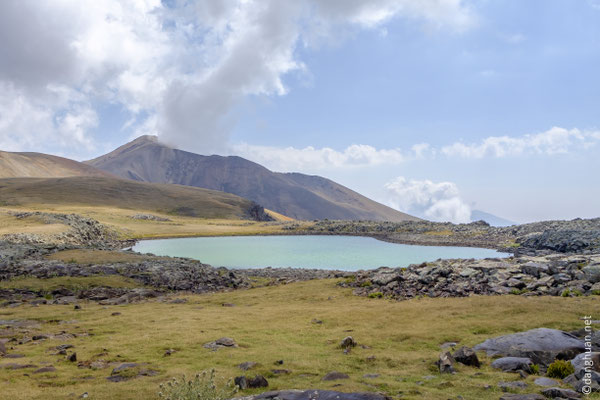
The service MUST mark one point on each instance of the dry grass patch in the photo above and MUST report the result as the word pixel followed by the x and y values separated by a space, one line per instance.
pixel 274 323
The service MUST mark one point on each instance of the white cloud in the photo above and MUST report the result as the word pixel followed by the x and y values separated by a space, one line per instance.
pixel 433 201
pixel 553 141
pixel 176 70
pixel 287 159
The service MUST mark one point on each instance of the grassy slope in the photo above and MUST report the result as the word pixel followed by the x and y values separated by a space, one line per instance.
pixel 120 219
pixel 275 323
pixel 38 165
pixel 119 193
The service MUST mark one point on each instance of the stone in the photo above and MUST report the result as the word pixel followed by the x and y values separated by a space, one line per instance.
pixel 42 370
pixel 257 382
pixel 513 364
pixel 585 359
pixel 17 366
pixel 2 349
pixel 228 305
pixel 545 382
pixel 245 366
pixel 220 343
pixel 558 393
pixel 541 345
pixel 72 357
pixel 534 269
pixel 445 363
pixel 516 385
pixel 281 371
pixel 334 376
pixel 241 382
pixel 348 342
pixel 466 356
pixel 447 345
pixel 592 273
pixel 168 352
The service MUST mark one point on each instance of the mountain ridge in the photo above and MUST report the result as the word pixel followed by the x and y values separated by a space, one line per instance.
pixel 295 195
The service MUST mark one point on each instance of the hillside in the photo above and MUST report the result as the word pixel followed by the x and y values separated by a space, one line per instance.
pixel 38 165
pixel 126 194
pixel 295 195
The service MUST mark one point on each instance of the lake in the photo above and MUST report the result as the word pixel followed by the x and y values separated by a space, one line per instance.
pixel 349 253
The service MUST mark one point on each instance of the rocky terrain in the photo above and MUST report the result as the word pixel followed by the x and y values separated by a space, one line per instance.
pixel 576 236
pixel 553 275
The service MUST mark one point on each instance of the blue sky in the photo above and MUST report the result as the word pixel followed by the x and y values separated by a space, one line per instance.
pixel 500 98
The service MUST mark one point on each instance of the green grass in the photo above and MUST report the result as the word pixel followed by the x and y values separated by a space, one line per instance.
pixel 69 282
pixel 274 323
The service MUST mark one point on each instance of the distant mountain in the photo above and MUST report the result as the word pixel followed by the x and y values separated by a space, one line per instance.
pixel 477 215
pixel 38 165
pixel 96 191
pixel 294 195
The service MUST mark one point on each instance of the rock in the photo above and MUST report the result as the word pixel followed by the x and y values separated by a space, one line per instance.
pixel 513 364
pixel 316 321
pixel 77 307
pixel 592 273
pixel 545 382
pixel 168 352
pixel 228 305
pixel 72 357
pixel 17 366
pixel 42 370
pixel 466 356
pixel 333 376
pixel 517 385
pixel 534 269
pixel 2 349
pixel 542 345
pixel 245 366
pixel 530 396
pixel 281 371
pixel 245 383
pixel 220 343
pixel 126 371
pixel 348 342
pixel 590 360
pixel 315 395
pixel 257 382
pixel 241 382
pixel 558 393
pixel 445 363
pixel 279 362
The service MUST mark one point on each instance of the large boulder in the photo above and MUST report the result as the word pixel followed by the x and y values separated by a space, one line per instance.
pixel 541 345
pixel 314 395
pixel 558 393
pixel 592 273
pixel 590 360
pixel 466 356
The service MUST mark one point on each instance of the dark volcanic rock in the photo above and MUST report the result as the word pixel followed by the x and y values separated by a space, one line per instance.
pixel 466 356
pixel 541 345
pixel 558 393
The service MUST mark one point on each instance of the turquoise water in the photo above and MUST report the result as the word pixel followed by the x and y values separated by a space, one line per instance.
pixel 349 253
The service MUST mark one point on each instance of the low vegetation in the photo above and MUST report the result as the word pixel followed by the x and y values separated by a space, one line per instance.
pixel 398 342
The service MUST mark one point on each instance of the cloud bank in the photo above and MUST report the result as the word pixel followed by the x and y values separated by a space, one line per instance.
pixel 433 201
pixel 175 69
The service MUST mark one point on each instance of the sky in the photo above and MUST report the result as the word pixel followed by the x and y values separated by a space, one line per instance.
pixel 434 107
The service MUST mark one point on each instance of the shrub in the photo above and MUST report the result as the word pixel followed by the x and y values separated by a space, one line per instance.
pixel 375 295
pixel 596 292
pixel 560 369
pixel 366 284
pixel 535 369
pixel 202 387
